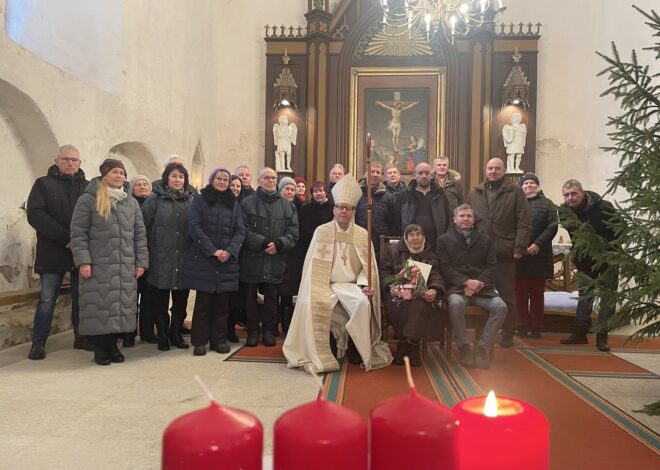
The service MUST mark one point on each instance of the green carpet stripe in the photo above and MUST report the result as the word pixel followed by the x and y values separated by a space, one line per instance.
pixel 624 421
pixel 450 378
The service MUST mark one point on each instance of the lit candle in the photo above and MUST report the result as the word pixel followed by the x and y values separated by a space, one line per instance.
pixel 501 433
pixel 413 432
pixel 213 437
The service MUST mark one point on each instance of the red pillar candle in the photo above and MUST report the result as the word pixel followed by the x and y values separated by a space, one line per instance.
pixel 413 431
pixel 503 433
pixel 321 436
pixel 212 438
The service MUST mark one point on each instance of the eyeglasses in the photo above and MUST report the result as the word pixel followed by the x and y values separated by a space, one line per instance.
pixel 271 178
pixel 344 208
pixel 223 180
pixel 69 160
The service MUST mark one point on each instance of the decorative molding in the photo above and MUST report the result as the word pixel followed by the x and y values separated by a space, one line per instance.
pixel 519 30
pixel 384 43
pixel 285 32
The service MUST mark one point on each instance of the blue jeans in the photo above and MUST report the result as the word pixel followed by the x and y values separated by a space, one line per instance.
pixel 497 312
pixel 50 291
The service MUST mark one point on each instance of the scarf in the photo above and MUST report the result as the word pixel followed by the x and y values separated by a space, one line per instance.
pixel 116 195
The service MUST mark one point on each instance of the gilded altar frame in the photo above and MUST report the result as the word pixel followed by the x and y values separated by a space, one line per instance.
pixel 412 80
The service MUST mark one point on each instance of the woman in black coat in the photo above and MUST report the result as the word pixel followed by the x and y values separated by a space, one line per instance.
pixel 215 224
pixel 141 189
pixel 166 218
pixel 417 319
pixel 537 265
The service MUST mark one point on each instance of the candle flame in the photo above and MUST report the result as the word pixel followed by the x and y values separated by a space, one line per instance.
pixel 490 407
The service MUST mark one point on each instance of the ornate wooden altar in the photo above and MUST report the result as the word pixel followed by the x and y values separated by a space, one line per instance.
pixel 344 64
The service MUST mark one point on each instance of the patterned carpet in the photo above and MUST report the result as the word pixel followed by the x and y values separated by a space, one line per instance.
pixel 588 396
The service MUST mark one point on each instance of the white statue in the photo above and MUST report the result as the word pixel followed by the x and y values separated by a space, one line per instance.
pixel 284 135
pixel 514 136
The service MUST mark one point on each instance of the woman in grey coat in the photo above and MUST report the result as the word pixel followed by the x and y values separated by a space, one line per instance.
pixel 165 215
pixel 109 246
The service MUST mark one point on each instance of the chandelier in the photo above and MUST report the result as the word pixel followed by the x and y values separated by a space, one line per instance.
pixel 453 17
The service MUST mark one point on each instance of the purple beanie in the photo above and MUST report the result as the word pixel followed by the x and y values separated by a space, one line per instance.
pixel 216 170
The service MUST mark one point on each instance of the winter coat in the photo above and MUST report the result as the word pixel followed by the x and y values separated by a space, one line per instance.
pixel 506 218
pixel 596 212
pixel 460 262
pixel 268 218
pixel 165 216
pixel 310 216
pixel 215 222
pixel 400 186
pixel 114 248
pixel 398 253
pixel 543 228
pixel 383 214
pixel 440 209
pixel 49 209
pixel 454 191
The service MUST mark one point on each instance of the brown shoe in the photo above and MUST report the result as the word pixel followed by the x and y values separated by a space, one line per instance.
pixel 577 337
pixel 37 351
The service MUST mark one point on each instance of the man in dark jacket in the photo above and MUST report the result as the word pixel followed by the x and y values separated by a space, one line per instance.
pixel 590 208
pixel 425 204
pixel 393 183
pixel 468 263
pixel 383 209
pixel 245 175
pixel 271 230
pixel 49 210
pixel 501 211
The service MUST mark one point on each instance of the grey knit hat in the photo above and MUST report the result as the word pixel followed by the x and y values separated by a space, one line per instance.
pixel 284 181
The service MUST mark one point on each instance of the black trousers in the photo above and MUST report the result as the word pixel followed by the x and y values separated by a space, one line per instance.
pixel 268 317
pixel 160 301
pixel 209 322
pixel 145 316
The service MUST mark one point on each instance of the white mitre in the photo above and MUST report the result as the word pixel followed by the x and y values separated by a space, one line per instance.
pixel 347 191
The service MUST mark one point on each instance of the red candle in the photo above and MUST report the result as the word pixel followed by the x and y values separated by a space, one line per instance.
pixel 501 433
pixel 321 436
pixel 413 431
pixel 212 438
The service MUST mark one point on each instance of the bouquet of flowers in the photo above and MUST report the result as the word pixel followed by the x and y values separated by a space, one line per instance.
pixel 410 282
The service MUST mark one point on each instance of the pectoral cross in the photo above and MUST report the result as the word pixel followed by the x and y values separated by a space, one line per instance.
pixel 344 258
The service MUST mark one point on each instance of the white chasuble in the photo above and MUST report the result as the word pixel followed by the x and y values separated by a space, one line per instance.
pixel 330 298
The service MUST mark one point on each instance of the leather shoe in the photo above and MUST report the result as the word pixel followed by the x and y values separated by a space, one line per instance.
pixel 80 342
pixel 575 338
pixel 199 350
pixel 601 342
pixel 252 340
pixel 268 338
pixel 465 356
pixel 184 331
pixel 221 348
pixel 481 358
pixel 101 356
pixel 37 351
pixel 506 341
pixel 115 354
pixel 232 337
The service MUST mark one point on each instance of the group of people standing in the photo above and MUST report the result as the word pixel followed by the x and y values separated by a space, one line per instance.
pixel 147 244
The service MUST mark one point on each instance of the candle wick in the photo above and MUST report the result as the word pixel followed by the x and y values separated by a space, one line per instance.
pixel 205 388
pixel 411 383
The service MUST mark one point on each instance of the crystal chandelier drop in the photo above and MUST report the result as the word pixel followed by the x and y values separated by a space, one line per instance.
pixel 452 17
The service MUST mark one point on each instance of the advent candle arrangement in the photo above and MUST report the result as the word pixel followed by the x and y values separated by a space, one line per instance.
pixel 413 431
pixel 502 433
pixel 212 438
pixel 321 436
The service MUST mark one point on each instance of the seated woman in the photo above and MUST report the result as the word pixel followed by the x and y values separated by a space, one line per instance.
pixel 417 319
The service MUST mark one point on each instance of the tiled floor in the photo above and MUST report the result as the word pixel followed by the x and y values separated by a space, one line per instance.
pixel 65 412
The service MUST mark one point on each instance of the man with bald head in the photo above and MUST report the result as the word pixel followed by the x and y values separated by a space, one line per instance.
pixel 501 211
pixel 424 203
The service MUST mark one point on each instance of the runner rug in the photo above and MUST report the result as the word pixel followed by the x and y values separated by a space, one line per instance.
pixel 589 397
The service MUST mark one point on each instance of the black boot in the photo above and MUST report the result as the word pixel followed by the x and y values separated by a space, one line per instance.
pixel 414 354
pixel 231 330
pixel 579 336
pixel 465 356
pixel 176 339
pixel 80 342
pixel 268 337
pixel 128 340
pixel 353 354
pixel 38 350
pixel 402 350
pixel 601 341
pixel 252 340
pixel 101 356
pixel 115 354
pixel 161 332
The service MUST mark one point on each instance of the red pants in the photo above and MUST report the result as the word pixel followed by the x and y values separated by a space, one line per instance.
pixel 529 302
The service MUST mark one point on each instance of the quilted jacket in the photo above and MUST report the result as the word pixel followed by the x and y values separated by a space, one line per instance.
pixel 114 247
